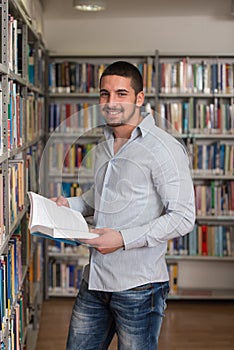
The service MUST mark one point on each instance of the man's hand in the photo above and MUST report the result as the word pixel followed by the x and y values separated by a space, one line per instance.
pixel 108 241
pixel 61 201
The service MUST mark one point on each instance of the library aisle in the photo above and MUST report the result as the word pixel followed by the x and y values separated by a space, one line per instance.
pixel 188 325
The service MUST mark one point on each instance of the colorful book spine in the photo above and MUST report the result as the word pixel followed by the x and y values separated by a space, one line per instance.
pixel 69 159
pixel 16 136
pixel 203 76
pixel 204 240
pixel 73 117
pixel 214 158
pixel 83 77
pixel 214 199
pixel 64 277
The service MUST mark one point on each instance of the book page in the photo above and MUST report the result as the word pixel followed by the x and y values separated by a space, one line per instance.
pixel 65 222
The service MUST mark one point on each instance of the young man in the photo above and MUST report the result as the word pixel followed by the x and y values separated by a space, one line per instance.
pixel 142 196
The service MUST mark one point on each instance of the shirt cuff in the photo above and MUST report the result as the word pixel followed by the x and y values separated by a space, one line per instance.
pixel 135 237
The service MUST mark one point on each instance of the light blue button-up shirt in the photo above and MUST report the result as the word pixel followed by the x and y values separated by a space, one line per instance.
pixel 145 191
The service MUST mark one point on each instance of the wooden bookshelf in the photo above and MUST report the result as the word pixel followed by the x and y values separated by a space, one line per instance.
pixel 192 96
pixel 22 123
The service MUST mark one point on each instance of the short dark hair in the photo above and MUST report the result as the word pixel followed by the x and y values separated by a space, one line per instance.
pixel 127 70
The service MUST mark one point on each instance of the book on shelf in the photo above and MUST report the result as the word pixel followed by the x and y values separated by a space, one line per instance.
pixel 49 220
pixel 2 221
pixel 200 76
pixel 83 77
pixel 1 128
pixel 64 276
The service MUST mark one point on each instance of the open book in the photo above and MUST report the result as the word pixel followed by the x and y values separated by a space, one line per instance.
pixel 49 220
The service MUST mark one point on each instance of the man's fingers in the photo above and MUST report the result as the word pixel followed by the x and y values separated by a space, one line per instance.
pixel 61 201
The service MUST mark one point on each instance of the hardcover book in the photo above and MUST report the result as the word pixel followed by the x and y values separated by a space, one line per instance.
pixel 49 220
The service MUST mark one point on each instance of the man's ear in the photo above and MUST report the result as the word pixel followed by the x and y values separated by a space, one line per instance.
pixel 140 99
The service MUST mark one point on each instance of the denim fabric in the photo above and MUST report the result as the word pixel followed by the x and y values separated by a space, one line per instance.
pixel 135 315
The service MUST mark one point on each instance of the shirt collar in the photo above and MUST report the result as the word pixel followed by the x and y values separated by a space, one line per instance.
pixel 147 123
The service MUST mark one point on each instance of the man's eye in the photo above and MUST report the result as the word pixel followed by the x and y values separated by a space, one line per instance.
pixel 122 94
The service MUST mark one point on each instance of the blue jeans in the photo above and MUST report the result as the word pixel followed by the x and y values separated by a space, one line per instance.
pixel 135 315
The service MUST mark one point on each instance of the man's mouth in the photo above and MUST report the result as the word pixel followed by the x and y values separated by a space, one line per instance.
pixel 112 112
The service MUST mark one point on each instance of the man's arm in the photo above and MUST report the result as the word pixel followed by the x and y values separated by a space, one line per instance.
pixel 173 183
pixel 84 204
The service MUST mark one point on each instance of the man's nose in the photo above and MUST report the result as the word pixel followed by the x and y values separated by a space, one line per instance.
pixel 112 99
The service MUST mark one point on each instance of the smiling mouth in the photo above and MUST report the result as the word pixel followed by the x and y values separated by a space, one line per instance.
pixel 112 112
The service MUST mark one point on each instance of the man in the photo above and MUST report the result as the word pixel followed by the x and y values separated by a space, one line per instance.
pixel 142 196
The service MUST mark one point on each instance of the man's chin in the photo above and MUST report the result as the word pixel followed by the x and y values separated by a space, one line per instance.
pixel 114 124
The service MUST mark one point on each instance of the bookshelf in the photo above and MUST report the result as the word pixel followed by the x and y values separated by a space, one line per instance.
pixel 22 122
pixel 195 100
pixel 192 97
pixel 74 126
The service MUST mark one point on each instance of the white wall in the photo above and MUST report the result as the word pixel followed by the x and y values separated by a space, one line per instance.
pixel 191 34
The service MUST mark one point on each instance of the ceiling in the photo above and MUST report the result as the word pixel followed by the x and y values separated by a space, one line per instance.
pixel 62 9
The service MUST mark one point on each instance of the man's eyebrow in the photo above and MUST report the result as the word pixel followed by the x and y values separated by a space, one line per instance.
pixel 122 90
pixel 118 90
pixel 101 90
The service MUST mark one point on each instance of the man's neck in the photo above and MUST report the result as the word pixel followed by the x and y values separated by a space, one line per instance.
pixel 124 131
pixel 122 134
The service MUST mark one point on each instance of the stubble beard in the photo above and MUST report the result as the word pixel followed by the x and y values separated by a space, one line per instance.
pixel 121 110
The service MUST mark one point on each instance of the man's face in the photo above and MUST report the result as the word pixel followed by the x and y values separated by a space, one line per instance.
pixel 118 100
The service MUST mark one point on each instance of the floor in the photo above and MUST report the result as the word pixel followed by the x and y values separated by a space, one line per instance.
pixel 188 325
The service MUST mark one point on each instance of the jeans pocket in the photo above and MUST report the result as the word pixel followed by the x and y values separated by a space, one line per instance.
pixel 165 289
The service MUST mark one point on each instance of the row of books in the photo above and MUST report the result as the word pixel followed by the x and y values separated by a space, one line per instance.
pixel 181 117
pixel 19 322
pixel 215 198
pixel 36 264
pixel 21 128
pixel 64 276
pixel 10 279
pixel 35 116
pixel 2 217
pixel 16 327
pixel 33 158
pixel 15 54
pixel 16 189
pixel 74 117
pixel 173 277
pixel 16 296
pixel 15 45
pixel 215 158
pixel 19 183
pixel 196 117
pixel 183 76
pixel 65 158
pixel 1 127
pixel 204 240
pixel 68 189
pixel 56 246
pixel 22 177
pixel 67 76
pixel 16 109
pixel 203 76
